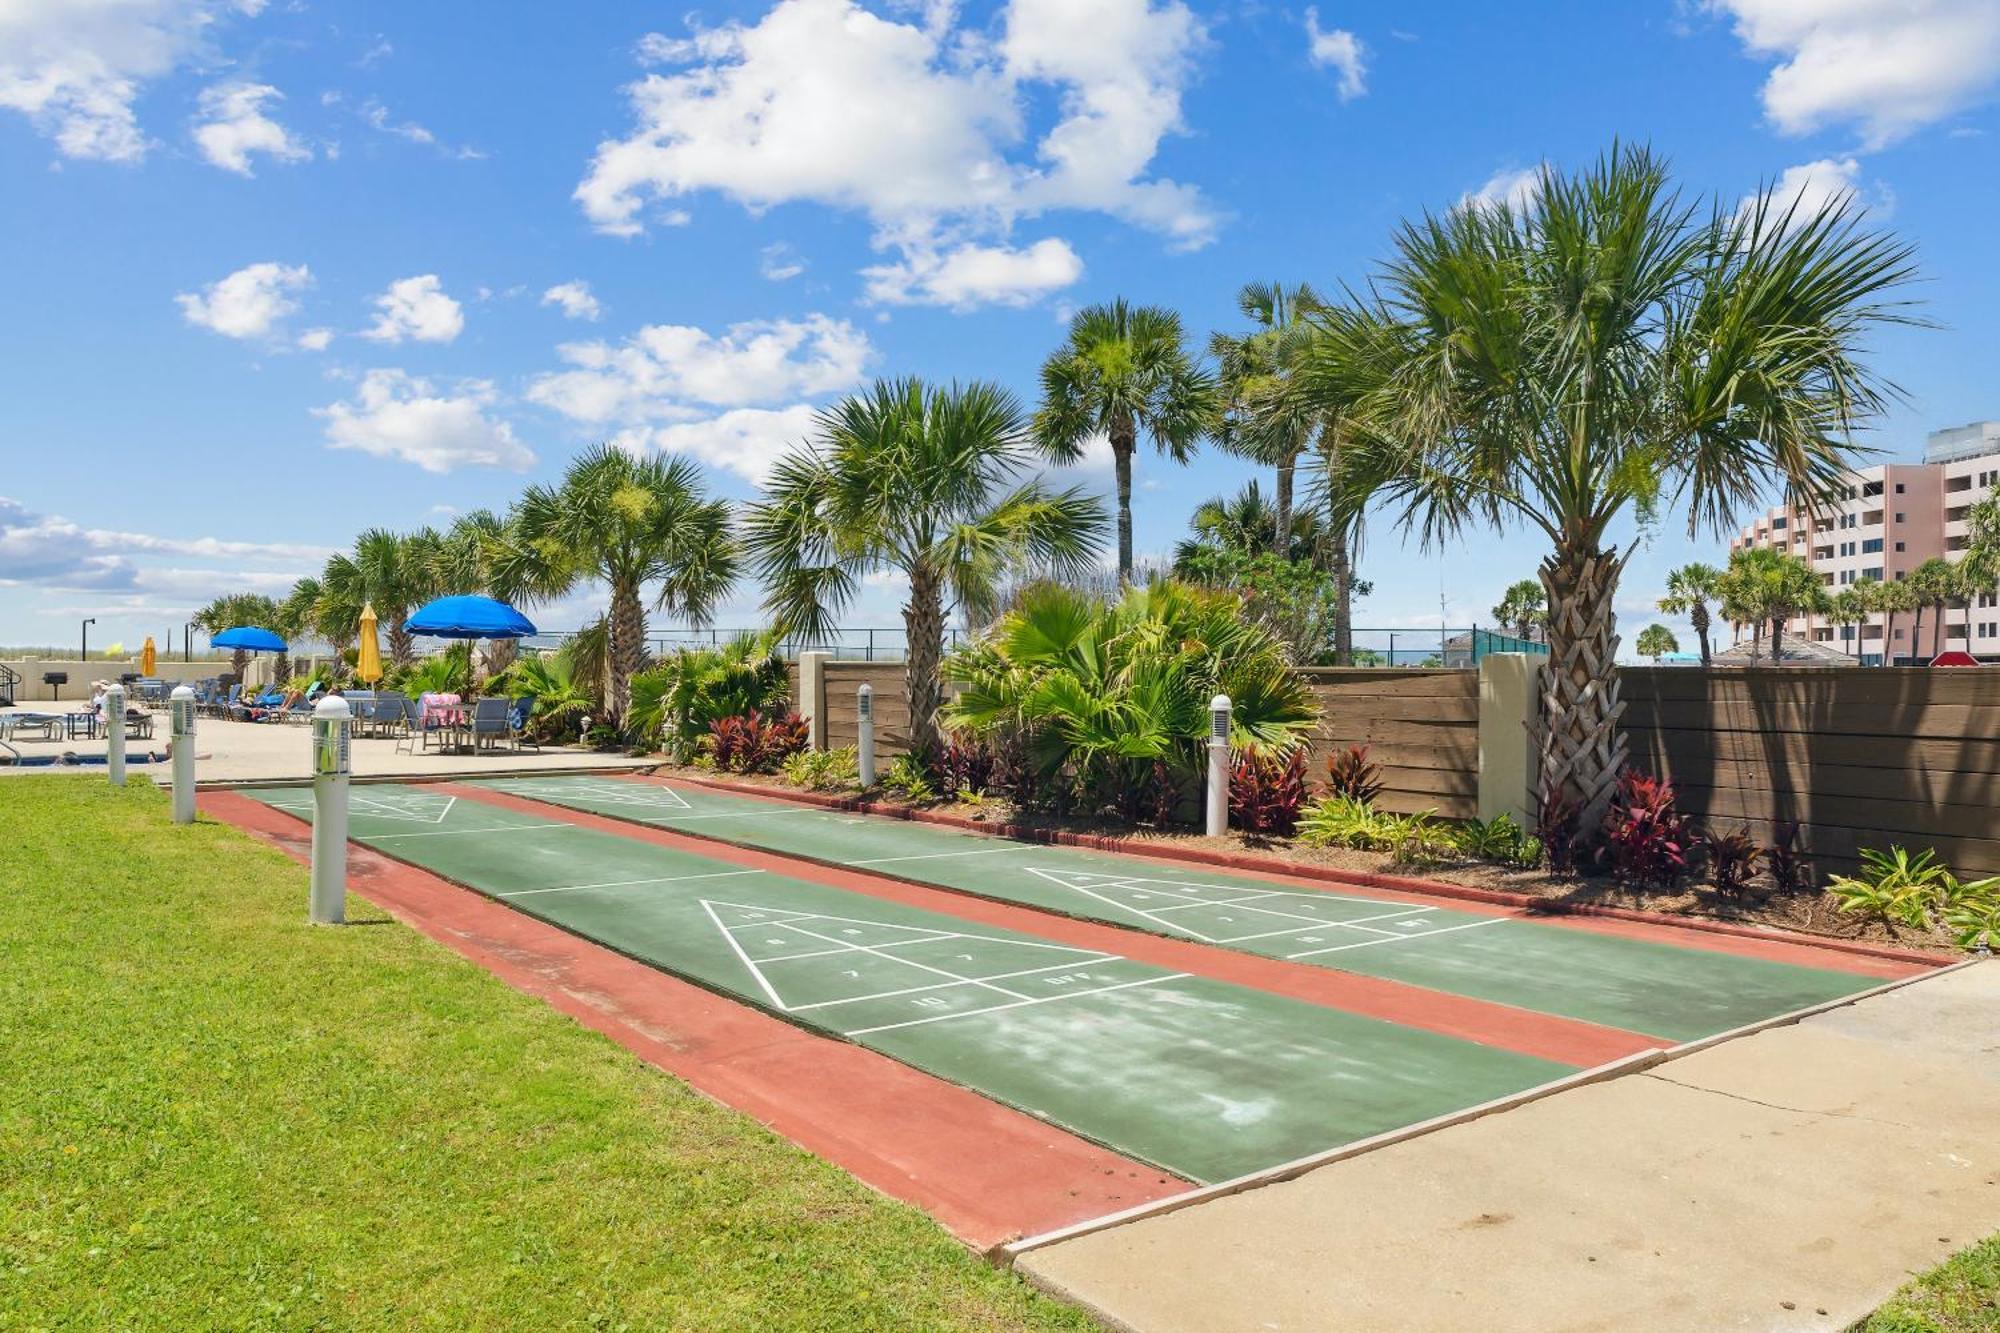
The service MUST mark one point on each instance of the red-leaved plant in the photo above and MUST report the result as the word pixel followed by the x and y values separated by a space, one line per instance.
pixel 1732 860
pixel 1647 841
pixel 1556 829
pixel 1266 793
pixel 1786 860
pixel 753 743
pixel 1352 774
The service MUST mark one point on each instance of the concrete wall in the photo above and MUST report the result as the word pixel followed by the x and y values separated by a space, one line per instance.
pixel 30 669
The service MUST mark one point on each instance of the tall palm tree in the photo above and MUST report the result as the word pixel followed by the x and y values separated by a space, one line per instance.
pixel 342 596
pixel 630 523
pixel 1257 422
pixel 471 557
pixel 1605 349
pixel 234 609
pixel 923 481
pixel 297 618
pixel 1933 584
pixel 1124 370
pixel 1655 641
pixel 1689 591
pixel 1892 597
pixel 1852 605
pixel 398 574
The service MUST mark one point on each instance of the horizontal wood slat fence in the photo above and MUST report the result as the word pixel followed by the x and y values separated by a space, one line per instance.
pixel 1861 756
pixel 1420 726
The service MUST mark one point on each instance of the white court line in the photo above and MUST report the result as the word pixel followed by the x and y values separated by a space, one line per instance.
pixel 1389 937
pixel 732 814
pixel 927 856
pixel 1177 887
pixel 460 832
pixel 1355 924
pixel 743 957
pixel 940 985
pixel 626 883
pixel 932 934
pixel 1045 999
pixel 909 962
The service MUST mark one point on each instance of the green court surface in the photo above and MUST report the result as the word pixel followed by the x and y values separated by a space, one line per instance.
pixel 1203 1078
pixel 1665 990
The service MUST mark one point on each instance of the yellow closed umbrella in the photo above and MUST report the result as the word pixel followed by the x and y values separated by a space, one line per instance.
pixel 149 658
pixel 368 660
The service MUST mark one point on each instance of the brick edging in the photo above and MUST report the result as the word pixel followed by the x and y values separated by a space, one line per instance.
pixel 1306 870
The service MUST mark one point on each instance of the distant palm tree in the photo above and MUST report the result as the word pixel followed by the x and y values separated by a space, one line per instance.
pixel 1258 422
pixel 1124 370
pixel 1852 606
pixel 1605 349
pixel 630 523
pixel 1933 584
pixel 472 557
pixel 232 610
pixel 1892 597
pixel 297 619
pixel 922 481
pixel 337 613
pixel 1689 591
pixel 1655 641
pixel 398 575
pixel 1523 608
pixel 1247 522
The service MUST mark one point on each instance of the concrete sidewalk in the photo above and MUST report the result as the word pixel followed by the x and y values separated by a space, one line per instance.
pixel 1788 1180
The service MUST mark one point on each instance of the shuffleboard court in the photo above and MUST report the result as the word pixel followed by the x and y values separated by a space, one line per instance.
pixel 1678 991
pixel 1203 1078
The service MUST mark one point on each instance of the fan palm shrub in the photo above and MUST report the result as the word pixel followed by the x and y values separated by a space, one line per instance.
pixel 1105 700
pixel 1606 352
pixel 560 699
pixel 631 524
pixel 1124 370
pixel 679 698
pixel 921 481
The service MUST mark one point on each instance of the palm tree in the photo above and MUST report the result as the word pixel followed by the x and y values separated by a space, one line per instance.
pixel 398 574
pixel 471 557
pixel 1689 591
pixel 337 613
pixel 1257 421
pixel 628 522
pixel 1655 641
pixel 233 609
pixel 1852 605
pixel 1124 369
pixel 1605 349
pixel 1794 590
pixel 1246 522
pixel 918 480
pixel 1932 584
pixel 1891 597
pixel 297 619
pixel 1523 608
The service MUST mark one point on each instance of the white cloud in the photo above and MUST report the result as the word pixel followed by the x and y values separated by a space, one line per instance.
pixel 249 303
pixel 575 300
pixel 921 128
pixel 75 67
pixel 1514 187
pixel 397 415
pixel 416 308
pixel 747 441
pixel 779 262
pixel 54 552
pixel 1340 50
pixel 1812 186
pixel 232 125
pixel 975 275
pixel 315 340
pixel 660 369
pixel 1889 67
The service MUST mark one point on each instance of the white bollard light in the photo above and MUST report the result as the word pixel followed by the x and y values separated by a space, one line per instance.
pixel 864 712
pixel 114 734
pixel 1218 765
pixel 180 727
pixel 332 725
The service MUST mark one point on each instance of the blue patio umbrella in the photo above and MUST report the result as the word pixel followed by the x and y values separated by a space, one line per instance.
pixel 470 617
pixel 249 638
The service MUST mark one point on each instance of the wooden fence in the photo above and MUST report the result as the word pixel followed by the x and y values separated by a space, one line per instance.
pixel 1861 756
pixel 1421 726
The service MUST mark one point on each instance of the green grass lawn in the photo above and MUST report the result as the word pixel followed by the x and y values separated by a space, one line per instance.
pixel 212 1115
pixel 1961 1295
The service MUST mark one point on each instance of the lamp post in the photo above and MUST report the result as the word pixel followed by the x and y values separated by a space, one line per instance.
pixel 83 649
pixel 187 642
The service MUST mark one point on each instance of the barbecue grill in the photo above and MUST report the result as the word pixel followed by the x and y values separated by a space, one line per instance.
pixel 55 680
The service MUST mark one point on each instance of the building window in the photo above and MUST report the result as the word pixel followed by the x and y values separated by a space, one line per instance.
pixel 1899 546
pixel 1899 517
pixel 1899 488
pixel 1872 546
pixel 1875 573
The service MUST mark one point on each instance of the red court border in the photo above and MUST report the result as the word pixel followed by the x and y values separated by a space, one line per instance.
pixel 1525 1031
pixel 986 1172
pixel 1581 915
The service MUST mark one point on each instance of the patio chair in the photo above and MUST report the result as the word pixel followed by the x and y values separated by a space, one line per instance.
pixel 389 714
pixel 362 704
pixel 518 714
pixel 52 726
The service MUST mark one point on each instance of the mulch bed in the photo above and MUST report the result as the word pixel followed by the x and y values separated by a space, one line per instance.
pixel 1814 913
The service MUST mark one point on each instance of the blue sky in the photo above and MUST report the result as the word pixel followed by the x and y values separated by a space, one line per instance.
pixel 279 272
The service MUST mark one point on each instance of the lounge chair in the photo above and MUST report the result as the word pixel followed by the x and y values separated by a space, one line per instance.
pixel 52 726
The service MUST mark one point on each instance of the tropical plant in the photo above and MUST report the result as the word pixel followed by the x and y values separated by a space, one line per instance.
pixel 296 619
pixel 471 556
pixel 1933 585
pixel 1732 860
pixel 1647 841
pixel 1895 887
pixel 1248 523
pixel 560 697
pixel 1339 821
pixel 448 672
pixel 1497 839
pixel 1092 695
pixel 1295 599
pixel 1892 597
pixel 1602 351
pixel 1266 791
pixel 823 770
pixel 675 700
pixel 1656 641
pixel 1259 419
pixel 1851 606
pixel 755 743
pixel 1973 917
pixel 337 612
pixel 236 609
pixel 965 769
pixel 630 523
pixel 1124 370
pixel 1785 858
pixel 908 777
pixel 398 574
pixel 917 480
pixel 1352 774
pixel 1770 587
pixel 1690 589
pixel 1523 608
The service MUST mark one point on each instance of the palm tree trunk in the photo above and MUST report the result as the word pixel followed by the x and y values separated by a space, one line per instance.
pixel 1343 600
pixel 402 643
pixel 499 655
pixel 1917 635
pixel 627 650
pixel 1777 639
pixel 1281 540
pixel 1582 749
pixel 1937 630
pixel 1700 618
pixel 923 626
pixel 1124 443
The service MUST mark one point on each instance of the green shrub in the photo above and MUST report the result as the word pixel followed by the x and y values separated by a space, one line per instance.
pixel 909 777
pixel 1341 821
pixel 1497 839
pixel 1973 914
pixel 824 770
pixel 1896 888
pixel 680 698
pixel 559 700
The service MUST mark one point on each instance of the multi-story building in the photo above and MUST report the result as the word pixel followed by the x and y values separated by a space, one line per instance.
pixel 1891 518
